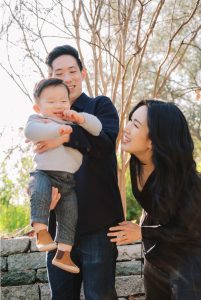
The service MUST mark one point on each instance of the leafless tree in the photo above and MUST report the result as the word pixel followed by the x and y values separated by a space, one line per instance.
pixel 131 48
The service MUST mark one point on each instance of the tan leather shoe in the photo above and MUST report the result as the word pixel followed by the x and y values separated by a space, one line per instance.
pixel 44 242
pixel 63 260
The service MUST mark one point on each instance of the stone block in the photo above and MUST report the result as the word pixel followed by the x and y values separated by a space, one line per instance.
pixel 25 292
pixel 18 278
pixel 33 247
pixel 26 261
pixel 14 245
pixel 129 252
pixel 3 262
pixel 126 268
pixel 41 275
pixel 129 285
pixel 44 291
pixel 124 287
pixel 21 269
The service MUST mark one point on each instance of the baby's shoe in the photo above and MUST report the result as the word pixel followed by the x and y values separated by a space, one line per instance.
pixel 44 242
pixel 63 260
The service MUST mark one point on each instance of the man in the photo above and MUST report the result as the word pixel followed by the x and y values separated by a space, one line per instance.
pixel 99 201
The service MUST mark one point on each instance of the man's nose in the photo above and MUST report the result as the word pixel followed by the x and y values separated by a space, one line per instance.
pixel 66 78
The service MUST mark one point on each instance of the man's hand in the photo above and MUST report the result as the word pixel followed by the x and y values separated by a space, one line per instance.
pixel 125 233
pixel 73 116
pixel 43 146
pixel 65 129
pixel 55 198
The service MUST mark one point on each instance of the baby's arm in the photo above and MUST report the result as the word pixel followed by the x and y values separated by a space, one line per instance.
pixel 38 130
pixel 73 116
pixel 87 121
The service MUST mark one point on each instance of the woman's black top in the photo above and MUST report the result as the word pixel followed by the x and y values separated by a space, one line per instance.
pixel 168 241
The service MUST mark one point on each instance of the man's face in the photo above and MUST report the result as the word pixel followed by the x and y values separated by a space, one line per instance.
pixel 65 67
pixel 53 101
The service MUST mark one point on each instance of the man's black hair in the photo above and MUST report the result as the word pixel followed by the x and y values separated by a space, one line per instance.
pixel 63 50
pixel 44 83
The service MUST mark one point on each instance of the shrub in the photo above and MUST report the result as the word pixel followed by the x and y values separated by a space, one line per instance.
pixel 13 217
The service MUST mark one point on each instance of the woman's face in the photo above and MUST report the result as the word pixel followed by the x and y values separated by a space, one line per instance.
pixel 135 138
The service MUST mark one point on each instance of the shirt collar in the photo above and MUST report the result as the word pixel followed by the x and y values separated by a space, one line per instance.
pixel 80 103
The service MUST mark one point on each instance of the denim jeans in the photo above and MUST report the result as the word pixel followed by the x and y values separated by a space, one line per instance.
pixel 40 190
pixel 96 257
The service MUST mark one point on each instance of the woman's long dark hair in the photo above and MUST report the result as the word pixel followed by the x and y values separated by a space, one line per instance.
pixel 175 169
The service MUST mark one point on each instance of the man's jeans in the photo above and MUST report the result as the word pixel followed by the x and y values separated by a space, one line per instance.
pixel 96 257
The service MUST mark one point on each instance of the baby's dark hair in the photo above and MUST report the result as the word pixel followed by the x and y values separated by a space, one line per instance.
pixel 44 83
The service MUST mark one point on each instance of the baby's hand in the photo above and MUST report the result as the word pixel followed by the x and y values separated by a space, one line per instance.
pixel 65 129
pixel 73 116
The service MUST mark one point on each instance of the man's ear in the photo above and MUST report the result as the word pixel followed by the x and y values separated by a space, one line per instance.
pixel 84 73
pixel 36 107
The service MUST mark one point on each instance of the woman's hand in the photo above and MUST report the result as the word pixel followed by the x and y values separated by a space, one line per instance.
pixel 55 198
pixel 43 146
pixel 125 233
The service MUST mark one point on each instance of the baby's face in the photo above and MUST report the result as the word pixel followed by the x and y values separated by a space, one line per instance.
pixel 53 101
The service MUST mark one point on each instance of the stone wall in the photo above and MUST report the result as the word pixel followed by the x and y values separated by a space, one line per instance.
pixel 23 271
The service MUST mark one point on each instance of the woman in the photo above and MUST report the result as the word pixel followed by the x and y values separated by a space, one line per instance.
pixel 167 186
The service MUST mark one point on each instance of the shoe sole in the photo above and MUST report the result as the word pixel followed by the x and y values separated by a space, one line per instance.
pixel 48 247
pixel 65 267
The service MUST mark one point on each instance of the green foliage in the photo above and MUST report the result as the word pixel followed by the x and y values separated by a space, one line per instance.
pixel 13 217
pixel 24 165
pixel 7 187
pixel 14 176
